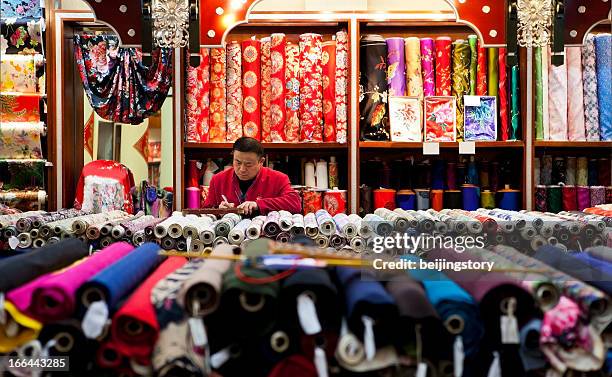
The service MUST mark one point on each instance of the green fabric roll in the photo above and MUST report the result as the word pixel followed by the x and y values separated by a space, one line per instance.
pixel 22 174
pixel 554 199
pixel 493 59
pixel 515 108
pixel 473 41
pixel 539 95
pixel 460 79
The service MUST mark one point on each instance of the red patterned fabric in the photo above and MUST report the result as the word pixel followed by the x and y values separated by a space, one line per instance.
pixel 88 131
pixel 217 95
pixel 311 88
pixel 292 94
pixel 107 169
pixel 198 99
pixel 481 77
pixel 19 108
pixel 266 90
pixel 328 60
pixel 443 66
pixel 234 92
pixel 341 85
pixel 503 95
pixel 277 83
pixel 251 90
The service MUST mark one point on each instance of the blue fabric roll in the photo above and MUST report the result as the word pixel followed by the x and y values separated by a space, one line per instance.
pixel 438 178
pixel 472 173
pixel 593 262
pixel 450 299
pixel 603 53
pixel 530 352
pixel 471 198
pixel 121 277
pixel 575 267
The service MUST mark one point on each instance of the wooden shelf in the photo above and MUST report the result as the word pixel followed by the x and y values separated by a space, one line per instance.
pixel 419 145
pixel 573 144
pixel 268 146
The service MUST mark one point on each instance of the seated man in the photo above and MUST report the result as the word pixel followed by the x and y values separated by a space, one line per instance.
pixel 250 185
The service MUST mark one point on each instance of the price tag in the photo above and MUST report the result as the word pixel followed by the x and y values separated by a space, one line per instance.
pixel 509 330
pixel 431 148
pixel 198 332
pixel 471 101
pixel 421 370
pixel 467 147
pixel 13 242
pixel 220 358
pixel 307 314
pixel 199 165
pixel 95 319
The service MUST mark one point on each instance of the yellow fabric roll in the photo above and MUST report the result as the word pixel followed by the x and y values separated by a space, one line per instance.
pixel 414 78
pixel 460 79
pixel 28 329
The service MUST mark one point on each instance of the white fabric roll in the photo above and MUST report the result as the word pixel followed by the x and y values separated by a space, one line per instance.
pixel 322 175
pixel 309 175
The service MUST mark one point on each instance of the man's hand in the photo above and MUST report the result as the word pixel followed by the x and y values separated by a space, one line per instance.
pixel 249 207
pixel 225 204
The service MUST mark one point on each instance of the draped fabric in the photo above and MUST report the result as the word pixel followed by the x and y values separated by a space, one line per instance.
pixel 292 94
pixel 218 105
pixel 373 88
pixel 311 90
pixel 603 48
pixel 443 66
pixel 251 88
pixel 19 108
pixel 557 101
pixel 539 94
pixel 277 83
pixel 460 80
pixel 342 70
pixel 396 66
pixel 328 60
pixel 234 91
pixel 481 73
pixel 575 100
pixel 198 99
pixel 503 96
pixel 414 75
pixel 266 89
pixel 119 87
pixel 589 80
pixel 427 66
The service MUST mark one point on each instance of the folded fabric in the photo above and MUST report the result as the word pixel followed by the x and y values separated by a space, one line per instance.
pixel 135 328
pixel 24 268
pixel 19 108
pixel 21 139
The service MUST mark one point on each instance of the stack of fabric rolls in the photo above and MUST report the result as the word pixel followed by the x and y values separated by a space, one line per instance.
pixel 271 89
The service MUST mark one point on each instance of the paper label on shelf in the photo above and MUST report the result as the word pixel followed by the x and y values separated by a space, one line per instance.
pixel 431 148
pixel 467 147
pixel 471 101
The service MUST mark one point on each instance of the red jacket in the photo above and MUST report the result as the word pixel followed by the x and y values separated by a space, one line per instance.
pixel 271 190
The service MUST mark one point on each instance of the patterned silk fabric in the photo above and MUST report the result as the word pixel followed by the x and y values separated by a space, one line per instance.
pixel 414 75
pixel 18 73
pixel 589 80
pixel 373 88
pixel 21 9
pixel 443 66
pixel 342 70
pixel 603 48
pixel 503 96
pixel 21 37
pixel 575 100
pixel 266 89
pixel 539 94
pixel 396 67
pixel 218 104
pixel 328 60
pixel 311 89
pixel 277 83
pixel 198 99
pixel 119 87
pixel 427 66
pixel 481 84
pixel 473 41
pixel 557 101
pixel 21 140
pixel 234 92
pixel 460 80
pixel 292 94
pixel 19 108
pixel 251 90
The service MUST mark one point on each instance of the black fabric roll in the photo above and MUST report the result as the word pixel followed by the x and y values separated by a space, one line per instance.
pixel 373 121
pixel 71 342
pixel 453 199
pixel 558 170
pixel 23 268
pixel 365 200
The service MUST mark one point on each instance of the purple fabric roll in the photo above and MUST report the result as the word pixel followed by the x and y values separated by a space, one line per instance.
pixel 584 197
pixel 598 195
pixel 396 67
pixel 427 67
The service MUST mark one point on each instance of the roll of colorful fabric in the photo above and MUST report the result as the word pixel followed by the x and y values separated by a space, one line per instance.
pixel 473 41
pixel 198 99
pixel 539 94
pixel 251 88
pixel 414 76
pixel 541 198
pixel 589 80
pixel 396 66
pixel 603 48
pixel 545 102
pixel 328 60
pixel 342 70
pixel 570 171
pixel 515 110
pixel 19 108
pixel 18 73
pixel 492 70
pixel 373 86
pixel 575 99
pixel 503 96
pixel 277 82
pixel 598 195
pixel 427 66
pixel 311 89
pixel 234 91
pixel 582 171
pixel 584 197
pixel 443 66
pixel 218 128
pixel 266 89
pixel 292 94
pixel 557 101
pixel 482 88
pixel 21 140
pixel 460 80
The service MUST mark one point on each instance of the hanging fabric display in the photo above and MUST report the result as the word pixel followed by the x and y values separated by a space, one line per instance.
pixel 18 73
pixel 373 88
pixel 218 104
pixel 266 89
pixel 119 87
pixel 19 108
pixel 198 99
pixel 234 91
pixel 443 66
pixel 589 80
pixel 21 9
pixel 277 83
pixel 539 94
pixel 481 73
pixel 342 84
pixel 21 139
pixel 396 67
pixel 575 100
pixel 503 95
pixel 414 76
pixel 557 101
pixel 603 48
pixel 515 116
pixel 460 80
pixel 292 94
pixel 21 37
pixel 427 66
pixel 251 88
pixel 328 61
pixel 22 174
pixel 473 41
pixel 311 90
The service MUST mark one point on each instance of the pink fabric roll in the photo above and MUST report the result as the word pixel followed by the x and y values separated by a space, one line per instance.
pixel 575 96
pixel 266 90
pixel 234 91
pixel 584 197
pixel 342 70
pixel 557 101
pixel 59 288
pixel 427 66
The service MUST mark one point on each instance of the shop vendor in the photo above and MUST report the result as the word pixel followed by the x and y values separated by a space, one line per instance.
pixel 251 186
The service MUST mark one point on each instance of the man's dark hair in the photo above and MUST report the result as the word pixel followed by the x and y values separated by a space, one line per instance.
pixel 248 144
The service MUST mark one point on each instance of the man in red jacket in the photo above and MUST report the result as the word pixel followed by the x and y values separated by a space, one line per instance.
pixel 250 185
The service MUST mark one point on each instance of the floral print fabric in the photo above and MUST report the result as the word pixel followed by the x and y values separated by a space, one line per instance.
pixel 251 88
pixel 277 84
pixel 21 37
pixel 102 195
pixel 292 94
pixel 198 99
pixel 589 80
pixel 443 66
pixel 21 9
pixel 18 73
pixel 234 92
pixel 341 85
pixel 311 88
pixel 328 61
pixel 440 119
pixel 21 140
pixel 218 88
pixel 19 108
pixel 119 87
pixel 266 90
pixel 373 88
